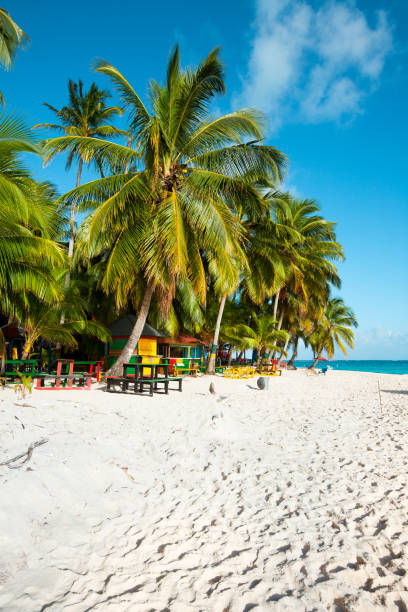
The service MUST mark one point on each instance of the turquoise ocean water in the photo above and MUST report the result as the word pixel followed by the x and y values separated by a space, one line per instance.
pixel 380 367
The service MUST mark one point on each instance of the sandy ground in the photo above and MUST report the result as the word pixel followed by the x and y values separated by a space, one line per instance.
pixel 290 499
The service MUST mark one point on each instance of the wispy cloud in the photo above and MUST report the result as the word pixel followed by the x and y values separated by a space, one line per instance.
pixel 379 335
pixel 313 64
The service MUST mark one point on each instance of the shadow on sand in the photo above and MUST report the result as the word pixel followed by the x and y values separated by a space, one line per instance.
pixel 397 391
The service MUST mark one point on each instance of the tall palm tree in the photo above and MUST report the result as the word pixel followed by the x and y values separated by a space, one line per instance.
pixel 27 223
pixel 334 329
pixel 258 268
pixel 86 115
pixel 185 174
pixel 310 251
pixel 224 286
pixel 11 37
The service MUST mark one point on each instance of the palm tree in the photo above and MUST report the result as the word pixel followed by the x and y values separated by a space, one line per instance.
pixel 11 37
pixel 27 248
pixel 42 320
pixel 86 115
pixel 309 251
pixel 225 283
pixel 29 223
pixel 300 329
pixel 334 329
pixel 171 206
pixel 262 335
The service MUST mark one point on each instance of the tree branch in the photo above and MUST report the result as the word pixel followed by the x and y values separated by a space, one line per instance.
pixel 27 455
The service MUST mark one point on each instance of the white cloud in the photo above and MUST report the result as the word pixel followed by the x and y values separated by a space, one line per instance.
pixel 379 335
pixel 380 343
pixel 314 64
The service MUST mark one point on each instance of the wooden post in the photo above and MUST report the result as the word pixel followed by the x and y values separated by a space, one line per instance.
pixel 59 368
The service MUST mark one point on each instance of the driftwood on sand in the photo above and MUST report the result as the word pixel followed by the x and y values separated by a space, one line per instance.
pixel 26 455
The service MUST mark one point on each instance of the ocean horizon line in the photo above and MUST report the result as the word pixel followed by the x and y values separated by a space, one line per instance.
pixel 376 366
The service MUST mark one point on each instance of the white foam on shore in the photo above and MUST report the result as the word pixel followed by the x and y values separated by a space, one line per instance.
pixel 291 499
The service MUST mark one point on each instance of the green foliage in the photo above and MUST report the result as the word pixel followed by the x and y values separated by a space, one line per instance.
pixel 262 334
pixel 334 329
pixel 25 386
pixel 42 320
pixel 185 204
pixel 171 207
pixel 86 115
pixel 27 219
pixel 11 38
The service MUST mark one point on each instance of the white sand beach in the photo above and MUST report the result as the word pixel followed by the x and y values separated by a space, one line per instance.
pixel 288 499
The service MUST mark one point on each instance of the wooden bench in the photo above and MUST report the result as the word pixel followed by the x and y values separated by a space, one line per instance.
pixel 269 371
pixel 153 383
pixel 237 372
pixel 63 381
pixel 121 381
pixel 139 384
pixel 190 370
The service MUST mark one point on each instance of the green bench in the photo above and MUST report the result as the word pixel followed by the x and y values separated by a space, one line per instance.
pixel 139 384
pixel 25 367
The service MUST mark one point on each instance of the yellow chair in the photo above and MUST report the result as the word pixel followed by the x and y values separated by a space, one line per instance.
pixel 238 372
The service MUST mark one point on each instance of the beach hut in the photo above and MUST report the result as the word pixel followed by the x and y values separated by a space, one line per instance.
pixel 183 350
pixel 15 339
pixel 147 346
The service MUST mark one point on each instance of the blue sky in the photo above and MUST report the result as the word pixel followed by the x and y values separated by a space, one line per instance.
pixel 332 79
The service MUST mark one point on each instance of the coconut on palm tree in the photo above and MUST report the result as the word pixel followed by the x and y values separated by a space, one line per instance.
pixel 171 207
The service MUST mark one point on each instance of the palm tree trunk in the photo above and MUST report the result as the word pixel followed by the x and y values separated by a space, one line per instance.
pixel 320 351
pixel 211 362
pixel 278 328
pixel 284 349
pixel 72 219
pixel 275 304
pixel 128 349
pixel 71 241
pixel 314 364
pixel 27 348
pixel 295 351
pixel 230 355
pixel 3 353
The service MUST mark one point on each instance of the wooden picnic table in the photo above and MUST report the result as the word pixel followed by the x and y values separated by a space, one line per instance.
pixel 15 367
pixel 140 380
pixel 140 367
pixel 68 382
pixel 92 364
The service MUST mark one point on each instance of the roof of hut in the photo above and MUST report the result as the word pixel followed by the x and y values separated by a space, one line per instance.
pixel 12 332
pixel 183 340
pixel 123 327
